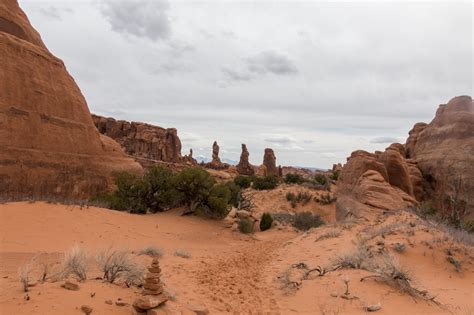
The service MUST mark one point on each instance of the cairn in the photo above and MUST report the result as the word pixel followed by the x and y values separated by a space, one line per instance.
pixel 153 292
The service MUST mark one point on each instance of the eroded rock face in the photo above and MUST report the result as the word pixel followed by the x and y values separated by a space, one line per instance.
pixel 244 167
pixel 444 152
pixel 365 184
pixel 49 145
pixel 142 140
pixel 269 160
pixel 216 161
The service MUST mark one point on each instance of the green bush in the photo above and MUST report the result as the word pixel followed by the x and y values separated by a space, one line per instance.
pixel 235 193
pixel 294 179
pixel 246 226
pixel 302 197
pixel 334 176
pixel 306 220
pixel 195 184
pixel 265 183
pixel 320 179
pixel 243 181
pixel 325 199
pixel 266 221
pixel 161 194
pixel 217 205
pixel 109 200
pixel 131 192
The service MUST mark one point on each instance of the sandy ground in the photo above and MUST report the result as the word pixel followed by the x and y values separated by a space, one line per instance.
pixel 228 272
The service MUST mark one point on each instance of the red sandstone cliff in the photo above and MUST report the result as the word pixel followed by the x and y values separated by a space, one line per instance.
pixel 48 142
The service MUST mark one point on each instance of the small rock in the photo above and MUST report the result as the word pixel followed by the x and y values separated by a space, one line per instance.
pixel 92 294
pixel 68 285
pixel 198 309
pixel 119 302
pixel 109 302
pixel 373 308
pixel 234 227
pixel 26 297
pixel 86 309
pixel 5 277
pixel 334 294
pixel 149 301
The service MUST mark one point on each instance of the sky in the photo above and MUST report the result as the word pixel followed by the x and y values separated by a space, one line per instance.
pixel 314 80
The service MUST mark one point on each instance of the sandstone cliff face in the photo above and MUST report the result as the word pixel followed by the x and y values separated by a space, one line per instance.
pixel 444 152
pixel 48 142
pixel 142 140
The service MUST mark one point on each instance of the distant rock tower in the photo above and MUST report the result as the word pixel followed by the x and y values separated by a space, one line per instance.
pixel 244 167
pixel 269 160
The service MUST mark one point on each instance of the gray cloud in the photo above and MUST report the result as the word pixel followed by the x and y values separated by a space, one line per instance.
pixel 271 62
pixel 385 140
pixel 53 12
pixel 142 18
pixel 333 76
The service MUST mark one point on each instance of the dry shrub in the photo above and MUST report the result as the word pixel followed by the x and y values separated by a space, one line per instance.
pixel 360 258
pixel 24 275
pixel 182 253
pixel 117 264
pixel 75 262
pixel 387 229
pixel 332 233
pixel 399 247
pixel 151 251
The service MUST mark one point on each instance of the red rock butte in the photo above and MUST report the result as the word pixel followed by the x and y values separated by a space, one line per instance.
pixel 49 145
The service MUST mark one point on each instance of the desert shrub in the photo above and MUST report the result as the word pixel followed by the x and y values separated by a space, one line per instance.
pixel 182 253
pixel 332 233
pixel 235 193
pixel 109 200
pixel 266 221
pixel 320 179
pixel 468 226
pixel 152 251
pixel 325 199
pixel 334 176
pixel 243 181
pixel 294 179
pixel 265 183
pixel 246 226
pixel 160 192
pixel 75 262
pixel 195 184
pixel 290 196
pixel 301 197
pixel 217 203
pixel 24 275
pixel 307 220
pixel 283 217
pixel 131 191
pixel 116 264
pixel 360 258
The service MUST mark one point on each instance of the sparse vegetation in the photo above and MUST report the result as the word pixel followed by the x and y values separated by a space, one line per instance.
pixel 246 226
pixel 360 258
pixel 292 178
pixel 399 247
pixel 332 233
pixel 182 253
pixel 266 221
pixel 307 220
pixel 334 176
pixel 265 183
pixel 117 264
pixel 325 199
pixel 243 181
pixel 24 275
pixel 320 179
pixel 151 251
pixel 301 197
pixel 75 262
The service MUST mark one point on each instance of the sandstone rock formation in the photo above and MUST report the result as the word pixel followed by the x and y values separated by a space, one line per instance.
pixel 269 160
pixel 244 167
pixel 49 145
pixel 216 161
pixel 444 152
pixel 364 184
pixel 153 292
pixel 142 140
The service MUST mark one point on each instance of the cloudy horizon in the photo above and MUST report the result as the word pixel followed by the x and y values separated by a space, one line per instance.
pixel 312 80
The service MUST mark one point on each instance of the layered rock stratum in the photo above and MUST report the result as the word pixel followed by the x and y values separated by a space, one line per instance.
pixel 142 140
pixel 49 145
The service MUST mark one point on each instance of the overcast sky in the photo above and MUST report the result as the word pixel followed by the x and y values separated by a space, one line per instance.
pixel 312 80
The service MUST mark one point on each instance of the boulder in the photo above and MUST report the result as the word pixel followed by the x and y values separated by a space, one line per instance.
pixel 244 167
pixel 49 145
pixel 397 169
pixel 68 285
